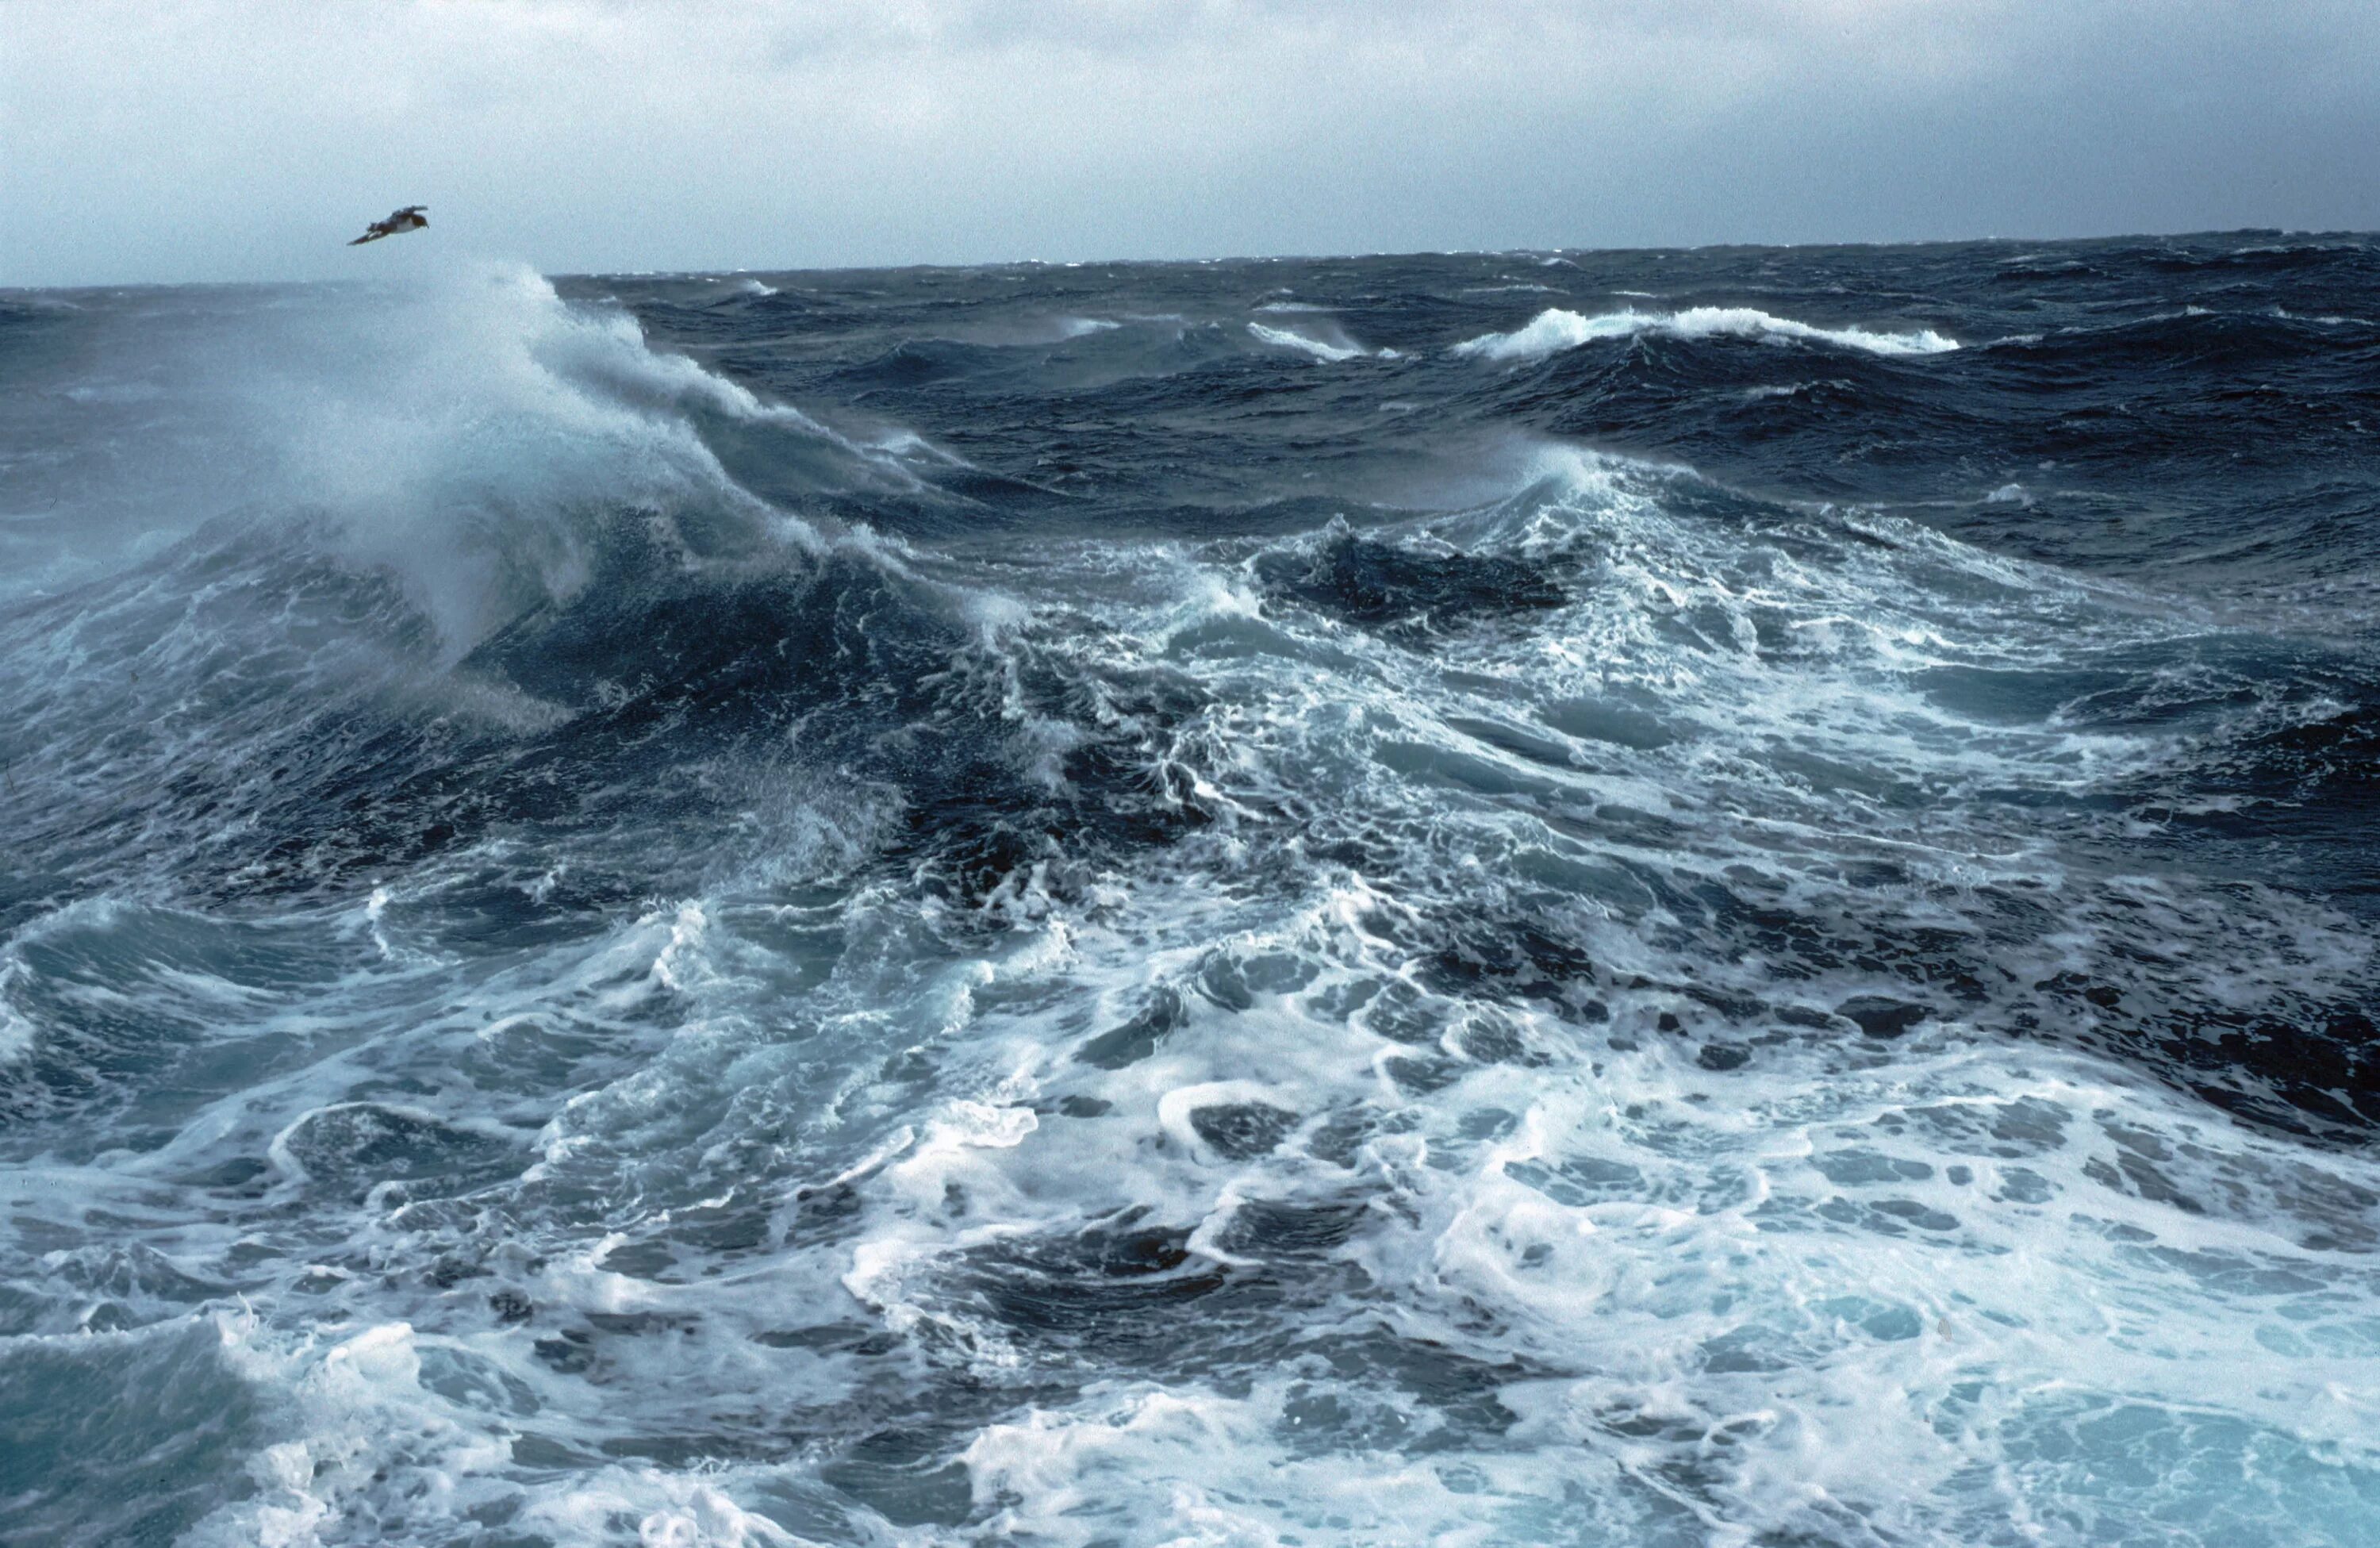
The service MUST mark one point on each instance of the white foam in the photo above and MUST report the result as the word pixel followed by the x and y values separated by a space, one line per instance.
pixel 1557 329
pixel 18 1033
pixel 1892 1283
pixel 1194 1467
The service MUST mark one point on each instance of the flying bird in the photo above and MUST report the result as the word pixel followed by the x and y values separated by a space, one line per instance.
pixel 411 218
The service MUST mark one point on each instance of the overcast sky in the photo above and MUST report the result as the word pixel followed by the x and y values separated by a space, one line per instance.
pixel 247 139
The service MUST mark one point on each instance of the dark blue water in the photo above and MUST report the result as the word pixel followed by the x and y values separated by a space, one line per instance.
pixel 1717 897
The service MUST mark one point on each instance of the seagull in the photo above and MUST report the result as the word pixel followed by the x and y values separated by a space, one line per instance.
pixel 411 218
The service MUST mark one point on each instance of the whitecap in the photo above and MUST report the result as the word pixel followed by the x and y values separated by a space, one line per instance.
pixel 1321 349
pixel 1557 329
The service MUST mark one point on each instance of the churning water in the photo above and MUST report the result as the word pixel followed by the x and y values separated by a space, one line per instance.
pixel 1715 897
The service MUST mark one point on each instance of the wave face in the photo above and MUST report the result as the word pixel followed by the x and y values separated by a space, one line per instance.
pixel 1503 900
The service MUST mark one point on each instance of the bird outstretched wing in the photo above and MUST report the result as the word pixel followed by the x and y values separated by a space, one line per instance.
pixel 407 219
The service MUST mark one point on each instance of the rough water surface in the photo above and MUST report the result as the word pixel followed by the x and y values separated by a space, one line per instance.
pixel 1718 898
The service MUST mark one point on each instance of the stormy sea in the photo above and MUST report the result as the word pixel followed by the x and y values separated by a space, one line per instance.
pixel 1718 898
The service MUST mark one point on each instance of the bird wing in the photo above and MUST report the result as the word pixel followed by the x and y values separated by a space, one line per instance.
pixel 398 220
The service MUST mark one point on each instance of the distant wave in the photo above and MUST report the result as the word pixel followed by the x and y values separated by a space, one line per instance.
pixel 1321 349
pixel 1554 329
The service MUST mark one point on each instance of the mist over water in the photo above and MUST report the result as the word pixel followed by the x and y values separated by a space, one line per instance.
pixel 1717 897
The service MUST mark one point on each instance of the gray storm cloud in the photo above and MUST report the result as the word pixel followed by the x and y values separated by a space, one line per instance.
pixel 244 140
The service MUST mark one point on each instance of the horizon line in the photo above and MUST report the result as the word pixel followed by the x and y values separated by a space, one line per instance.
pixel 697 270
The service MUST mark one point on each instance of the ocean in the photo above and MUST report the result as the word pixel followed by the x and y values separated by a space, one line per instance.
pixel 1667 898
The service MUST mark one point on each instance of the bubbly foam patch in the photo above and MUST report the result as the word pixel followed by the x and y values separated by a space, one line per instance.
pixel 1568 1221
